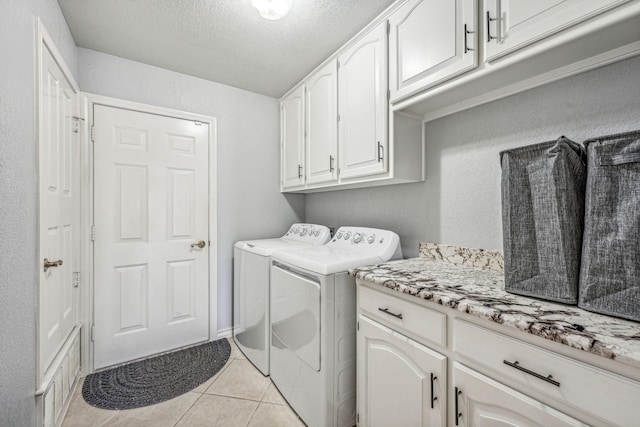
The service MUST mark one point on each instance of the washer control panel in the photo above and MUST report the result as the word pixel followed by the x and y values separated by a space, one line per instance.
pixel 367 240
pixel 312 233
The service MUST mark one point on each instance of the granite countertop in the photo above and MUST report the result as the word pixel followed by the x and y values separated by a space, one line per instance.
pixel 472 281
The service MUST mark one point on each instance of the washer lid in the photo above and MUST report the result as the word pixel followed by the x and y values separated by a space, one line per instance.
pixel 325 260
pixel 266 247
pixel 298 235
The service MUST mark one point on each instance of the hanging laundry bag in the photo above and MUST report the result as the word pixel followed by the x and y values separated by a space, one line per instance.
pixel 610 271
pixel 542 219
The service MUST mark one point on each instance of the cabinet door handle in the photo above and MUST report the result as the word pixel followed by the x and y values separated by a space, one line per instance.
pixel 458 392
pixel 548 378
pixel 433 398
pixel 466 33
pixel 489 21
pixel 380 149
pixel 386 310
pixel 331 168
pixel 299 172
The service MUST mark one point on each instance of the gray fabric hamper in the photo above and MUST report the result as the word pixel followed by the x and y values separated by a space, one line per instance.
pixel 610 271
pixel 542 219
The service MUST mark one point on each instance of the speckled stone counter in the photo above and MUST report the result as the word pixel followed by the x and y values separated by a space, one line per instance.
pixel 472 281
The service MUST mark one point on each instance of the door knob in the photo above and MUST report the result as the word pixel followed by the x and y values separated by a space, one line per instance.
pixel 201 244
pixel 49 264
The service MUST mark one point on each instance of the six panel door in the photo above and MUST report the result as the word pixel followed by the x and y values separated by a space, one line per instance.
pixel 151 210
pixel 58 210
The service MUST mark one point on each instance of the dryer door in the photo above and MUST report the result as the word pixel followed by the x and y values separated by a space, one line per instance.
pixel 295 314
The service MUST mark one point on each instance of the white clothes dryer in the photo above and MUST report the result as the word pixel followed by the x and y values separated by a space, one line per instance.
pixel 313 322
pixel 252 259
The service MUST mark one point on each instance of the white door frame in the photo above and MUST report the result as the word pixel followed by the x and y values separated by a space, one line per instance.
pixel 86 303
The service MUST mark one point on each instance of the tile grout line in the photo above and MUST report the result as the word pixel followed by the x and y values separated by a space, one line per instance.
pixel 189 408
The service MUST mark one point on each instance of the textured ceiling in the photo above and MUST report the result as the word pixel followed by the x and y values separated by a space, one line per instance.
pixel 221 40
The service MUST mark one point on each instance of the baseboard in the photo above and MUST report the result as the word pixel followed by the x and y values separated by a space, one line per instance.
pixel 225 333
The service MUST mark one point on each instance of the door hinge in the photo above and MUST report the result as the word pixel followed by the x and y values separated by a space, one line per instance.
pixel 93 134
pixel 75 279
pixel 338 117
pixel 93 233
pixel 388 95
pixel 197 123
pixel 338 65
pixel 357 418
pixel 358 326
pixel 388 27
pixel 93 333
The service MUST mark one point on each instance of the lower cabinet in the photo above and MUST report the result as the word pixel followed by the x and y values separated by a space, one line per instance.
pixel 400 382
pixel 480 401
pixel 425 365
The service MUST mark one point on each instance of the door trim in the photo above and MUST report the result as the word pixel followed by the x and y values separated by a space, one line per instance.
pixel 88 100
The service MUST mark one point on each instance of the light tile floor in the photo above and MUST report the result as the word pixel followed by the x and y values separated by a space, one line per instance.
pixel 238 395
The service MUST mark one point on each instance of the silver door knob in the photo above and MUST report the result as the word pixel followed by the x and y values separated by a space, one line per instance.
pixel 50 264
pixel 201 244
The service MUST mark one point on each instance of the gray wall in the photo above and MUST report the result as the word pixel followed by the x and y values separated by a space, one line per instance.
pixel 18 196
pixel 250 204
pixel 459 203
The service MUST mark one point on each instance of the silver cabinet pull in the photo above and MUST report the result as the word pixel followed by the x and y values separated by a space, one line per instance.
pixel 433 398
pixel 380 149
pixel 386 311
pixel 548 378
pixel 466 33
pixel 50 264
pixel 457 392
pixel 331 168
pixel 299 171
pixel 489 21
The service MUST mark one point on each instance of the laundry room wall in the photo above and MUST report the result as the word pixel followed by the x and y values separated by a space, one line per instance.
pixel 250 204
pixel 459 203
pixel 18 198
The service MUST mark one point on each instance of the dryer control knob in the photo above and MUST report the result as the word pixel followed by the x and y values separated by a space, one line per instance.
pixel 339 235
pixel 347 235
pixel 371 238
pixel 303 232
pixel 357 238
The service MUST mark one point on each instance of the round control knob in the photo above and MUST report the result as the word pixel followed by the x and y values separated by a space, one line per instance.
pixel 347 235
pixel 339 235
pixel 295 231
pixel 303 232
pixel 371 238
pixel 357 238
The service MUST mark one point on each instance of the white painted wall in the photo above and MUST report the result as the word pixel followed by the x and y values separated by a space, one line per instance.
pixel 459 203
pixel 18 198
pixel 250 205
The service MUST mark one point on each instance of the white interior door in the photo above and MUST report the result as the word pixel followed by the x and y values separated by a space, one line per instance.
pixel 58 208
pixel 150 210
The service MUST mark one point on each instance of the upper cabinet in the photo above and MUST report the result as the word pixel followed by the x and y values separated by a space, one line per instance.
pixel 511 25
pixel 292 133
pixel 363 106
pixel 431 41
pixel 322 125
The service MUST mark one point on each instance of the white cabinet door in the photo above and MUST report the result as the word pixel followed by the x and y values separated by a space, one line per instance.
pixel 430 41
pixel 400 382
pixel 512 24
pixel 363 106
pixel 293 139
pixel 479 401
pixel 322 125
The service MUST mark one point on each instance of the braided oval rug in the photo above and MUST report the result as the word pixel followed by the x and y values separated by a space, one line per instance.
pixel 156 379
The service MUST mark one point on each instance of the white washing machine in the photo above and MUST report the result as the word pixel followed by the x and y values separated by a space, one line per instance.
pixel 313 322
pixel 251 264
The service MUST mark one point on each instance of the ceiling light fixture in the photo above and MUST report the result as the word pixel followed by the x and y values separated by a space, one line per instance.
pixel 272 9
